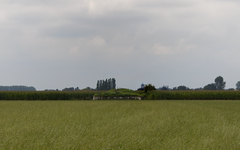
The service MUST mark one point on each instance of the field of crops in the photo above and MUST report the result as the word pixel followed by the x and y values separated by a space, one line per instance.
pixel 153 95
pixel 47 95
pixel 120 124
pixel 194 95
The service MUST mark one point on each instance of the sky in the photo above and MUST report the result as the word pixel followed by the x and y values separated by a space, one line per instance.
pixel 73 43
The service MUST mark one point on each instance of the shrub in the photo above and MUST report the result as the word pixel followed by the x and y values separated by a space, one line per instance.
pixel 149 87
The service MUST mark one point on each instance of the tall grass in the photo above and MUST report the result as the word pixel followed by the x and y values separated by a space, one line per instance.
pixel 120 125
pixel 193 95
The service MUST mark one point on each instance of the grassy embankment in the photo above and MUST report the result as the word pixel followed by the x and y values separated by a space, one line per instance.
pixel 119 124
pixel 120 93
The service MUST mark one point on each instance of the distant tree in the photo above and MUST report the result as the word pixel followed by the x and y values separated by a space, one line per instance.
pixel 98 85
pixel 107 84
pixel 68 89
pixel 149 87
pixel 164 88
pixel 17 88
pixel 49 90
pixel 65 89
pixel 174 88
pixel 101 85
pixel 182 87
pixel 87 88
pixel 198 88
pixel 77 88
pixel 113 83
pixel 220 84
pixel 231 89
pixel 238 85
pixel 211 86
pixel 71 89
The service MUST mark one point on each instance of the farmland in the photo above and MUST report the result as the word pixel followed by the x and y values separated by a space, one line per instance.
pixel 122 124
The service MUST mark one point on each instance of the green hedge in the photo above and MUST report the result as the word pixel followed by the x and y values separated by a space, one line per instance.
pixel 193 95
pixel 47 95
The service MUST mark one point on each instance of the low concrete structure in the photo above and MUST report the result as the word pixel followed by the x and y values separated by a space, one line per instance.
pixel 117 98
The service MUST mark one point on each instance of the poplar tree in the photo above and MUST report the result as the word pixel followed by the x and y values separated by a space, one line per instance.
pixel 98 85
pixel 113 83
pixel 107 84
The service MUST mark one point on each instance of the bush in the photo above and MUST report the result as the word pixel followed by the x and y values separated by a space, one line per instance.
pixel 149 88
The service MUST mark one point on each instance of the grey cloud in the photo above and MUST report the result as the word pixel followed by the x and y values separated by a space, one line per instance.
pixel 178 42
pixel 169 4
pixel 81 26
pixel 67 31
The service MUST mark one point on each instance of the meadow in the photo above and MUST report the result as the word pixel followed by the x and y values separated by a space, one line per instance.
pixel 110 124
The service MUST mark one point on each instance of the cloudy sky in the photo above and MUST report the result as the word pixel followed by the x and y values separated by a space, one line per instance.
pixel 63 43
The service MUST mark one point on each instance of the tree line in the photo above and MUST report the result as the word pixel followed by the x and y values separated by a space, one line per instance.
pixel 17 88
pixel 219 84
pixel 107 84
pixel 70 89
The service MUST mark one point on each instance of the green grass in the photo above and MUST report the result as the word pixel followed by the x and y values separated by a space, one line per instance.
pixel 120 124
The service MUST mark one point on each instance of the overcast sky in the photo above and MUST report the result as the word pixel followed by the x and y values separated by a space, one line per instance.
pixel 73 43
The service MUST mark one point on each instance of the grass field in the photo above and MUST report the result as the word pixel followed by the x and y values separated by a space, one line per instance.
pixel 120 125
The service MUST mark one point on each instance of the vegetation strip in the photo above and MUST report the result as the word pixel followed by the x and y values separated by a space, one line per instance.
pixel 121 94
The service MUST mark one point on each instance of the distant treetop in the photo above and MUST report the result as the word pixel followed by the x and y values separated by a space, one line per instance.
pixel 17 88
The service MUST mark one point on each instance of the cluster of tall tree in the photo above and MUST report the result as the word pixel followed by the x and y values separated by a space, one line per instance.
pixel 17 88
pixel 107 84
